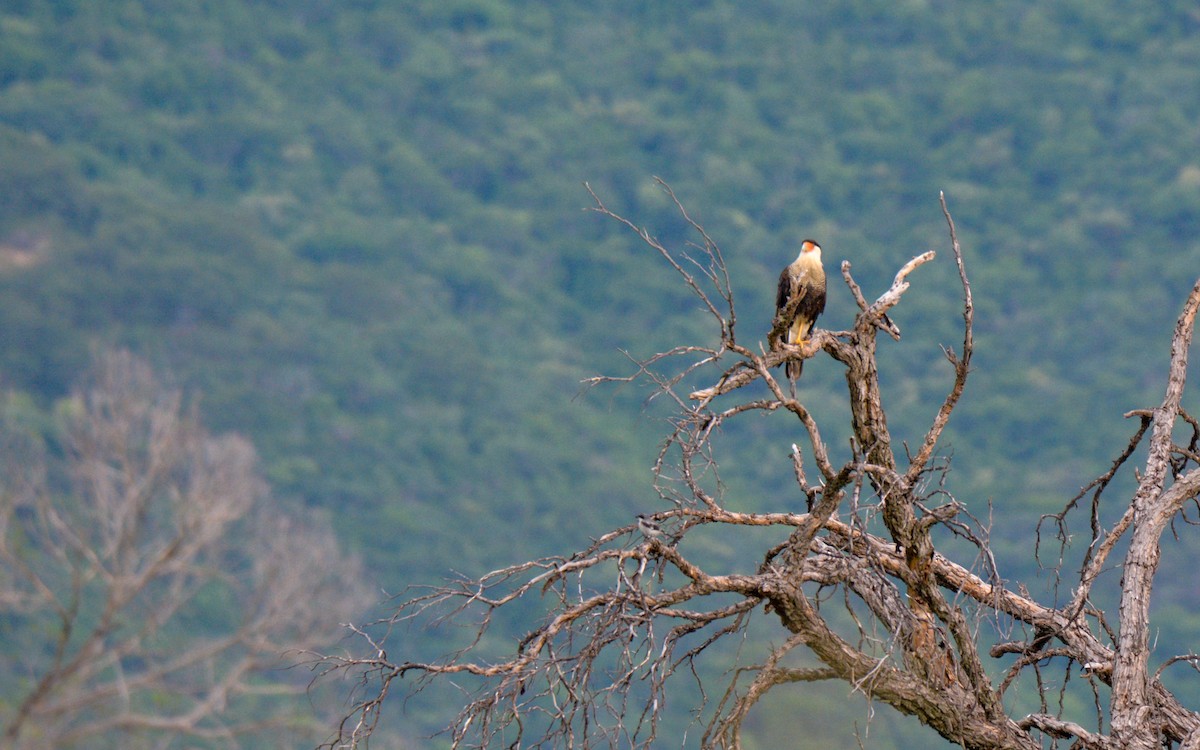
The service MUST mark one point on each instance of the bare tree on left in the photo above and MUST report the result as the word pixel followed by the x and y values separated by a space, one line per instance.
pixel 138 531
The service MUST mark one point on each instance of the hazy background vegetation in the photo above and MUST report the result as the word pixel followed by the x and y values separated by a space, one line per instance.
pixel 354 230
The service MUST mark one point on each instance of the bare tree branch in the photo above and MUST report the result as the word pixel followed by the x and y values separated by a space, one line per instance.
pixel 1153 509
pixel 961 362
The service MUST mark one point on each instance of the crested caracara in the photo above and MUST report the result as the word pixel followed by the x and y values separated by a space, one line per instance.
pixel 802 296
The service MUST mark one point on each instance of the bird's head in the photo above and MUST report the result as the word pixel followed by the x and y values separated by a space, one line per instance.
pixel 810 252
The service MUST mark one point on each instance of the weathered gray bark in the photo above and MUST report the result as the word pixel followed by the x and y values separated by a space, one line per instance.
pixel 1136 722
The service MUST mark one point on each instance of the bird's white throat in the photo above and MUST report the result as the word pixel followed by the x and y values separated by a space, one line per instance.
pixel 810 258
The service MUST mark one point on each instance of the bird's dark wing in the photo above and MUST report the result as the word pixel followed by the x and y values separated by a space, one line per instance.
pixel 785 291
pixel 813 303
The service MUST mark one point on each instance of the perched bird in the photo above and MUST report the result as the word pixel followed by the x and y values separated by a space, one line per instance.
pixel 649 528
pixel 801 295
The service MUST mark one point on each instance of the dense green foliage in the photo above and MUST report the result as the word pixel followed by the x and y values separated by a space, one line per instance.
pixel 355 228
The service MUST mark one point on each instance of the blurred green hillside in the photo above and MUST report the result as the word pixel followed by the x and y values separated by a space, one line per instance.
pixel 355 229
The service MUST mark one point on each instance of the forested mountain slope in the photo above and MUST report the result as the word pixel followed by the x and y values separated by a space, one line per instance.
pixel 355 228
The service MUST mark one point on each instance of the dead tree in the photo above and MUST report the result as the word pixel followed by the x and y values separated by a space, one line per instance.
pixel 629 618
pixel 106 553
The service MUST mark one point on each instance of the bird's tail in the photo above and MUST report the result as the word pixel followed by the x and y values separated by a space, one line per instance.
pixel 793 368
